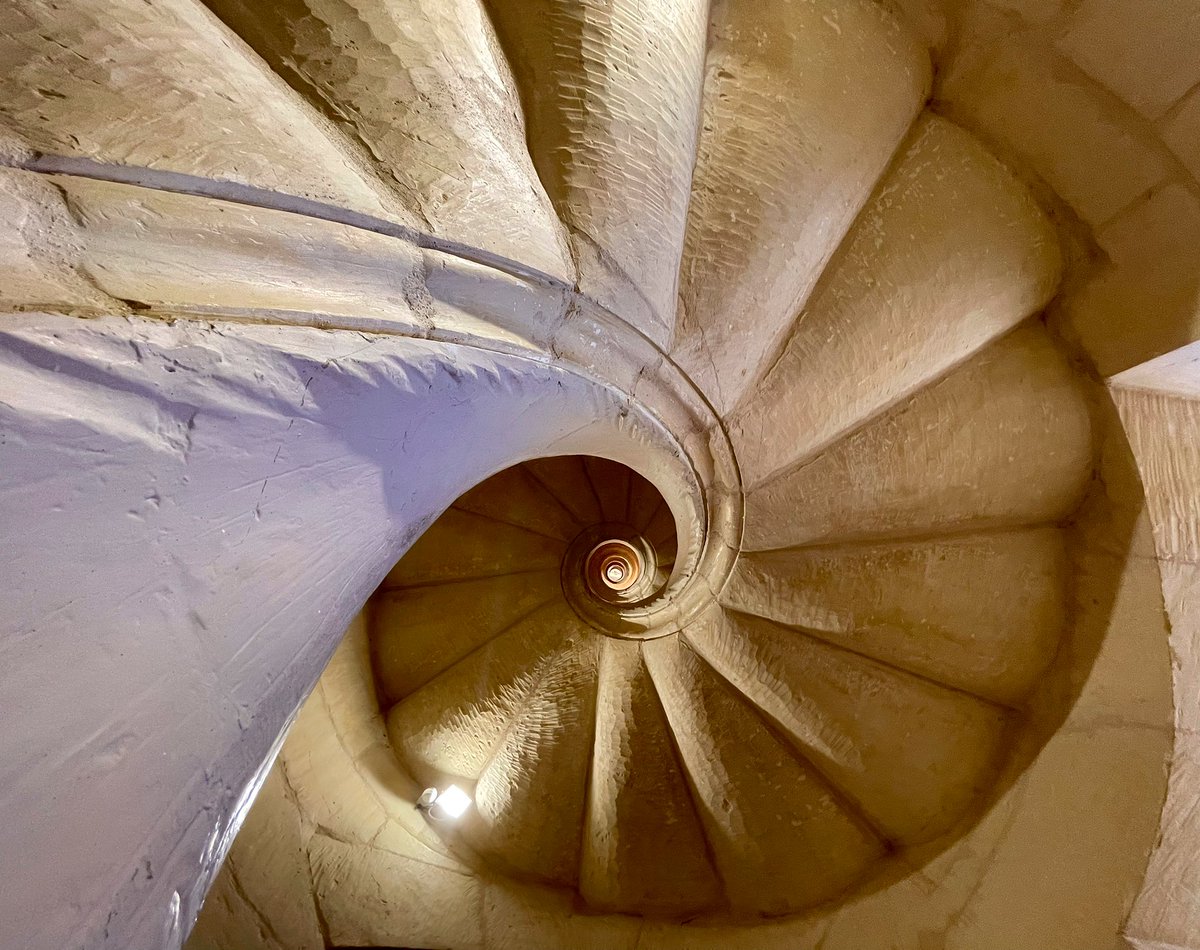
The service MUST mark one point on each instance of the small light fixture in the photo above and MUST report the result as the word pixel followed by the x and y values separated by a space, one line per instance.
pixel 439 806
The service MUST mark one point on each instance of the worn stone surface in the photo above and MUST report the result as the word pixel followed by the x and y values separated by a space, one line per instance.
pixel 804 104
pixel 781 837
pixel 639 806
pixel 264 893
pixel 422 90
pixel 947 459
pixel 1143 300
pixel 1024 93
pixel 606 79
pixel 919 605
pixel 166 87
pixel 949 254
pixel 893 674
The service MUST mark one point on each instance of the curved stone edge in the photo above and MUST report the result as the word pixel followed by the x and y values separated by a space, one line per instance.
pixel 366 275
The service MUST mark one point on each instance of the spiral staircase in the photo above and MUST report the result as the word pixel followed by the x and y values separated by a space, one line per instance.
pixel 748 534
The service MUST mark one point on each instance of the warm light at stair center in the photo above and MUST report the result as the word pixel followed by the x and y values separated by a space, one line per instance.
pixel 615 564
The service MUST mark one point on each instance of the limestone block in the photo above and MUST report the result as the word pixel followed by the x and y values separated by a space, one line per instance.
pixel 1119 652
pixel 264 894
pixel 421 87
pixel 982 613
pixel 781 837
pixel 950 253
pixel 1166 914
pixel 517 497
pixel 1072 857
pixel 1093 152
pixel 411 643
pixel 1172 374
pixel 229 922
pixel 1169 464
pixel 612 100
pixel 481 548
pixel 517 917
pixel 639 806
pixel 1181 132
pixel 804 104
pixel 325 777
pixel 348 691
pixel 1145 53
pixel 1144 300
pixel 165 87
pixel 452 725
pixel 359 913
pixel 529 798
pixel 1005 439
pixel 912 760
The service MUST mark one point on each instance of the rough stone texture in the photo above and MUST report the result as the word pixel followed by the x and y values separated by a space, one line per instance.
pixel 269 904
pixel 483 608
pixel 452 726
pixel 919 605
pixel 949 254
pixel 529 799
pixel 781 837
pixel 1158 404
pixel 1181 132
pixel 420 86
pixel 910 762
pixel 235 438
pixel 639 807
pixel 607 78
pixel 804 104
pixel 165 87
pixel 1004 440
pixel 158 438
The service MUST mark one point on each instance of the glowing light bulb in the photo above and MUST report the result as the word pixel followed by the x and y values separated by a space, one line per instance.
pixel 453 802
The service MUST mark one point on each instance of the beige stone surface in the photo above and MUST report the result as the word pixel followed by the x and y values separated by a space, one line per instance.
pixel 451 726
pixel 950 458
pixel 517 497
pixel 1166 915
pixel 612 99
pixel 485 608
pixel 1023 93
pixel 782 838
pixel 931 706
pixel 1157 403
pixel 910 788
pixel 1143 300
pixel 804 104
pixel 1169 465
pixel 639 806
pixel 484 548
pixel 165 87
pixel 422 904
pixel 421 88
pixel 950 253
pixel 529 799
pixel 919 605
pixel 264 894
pixel 1145 53
pixel 1052 877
